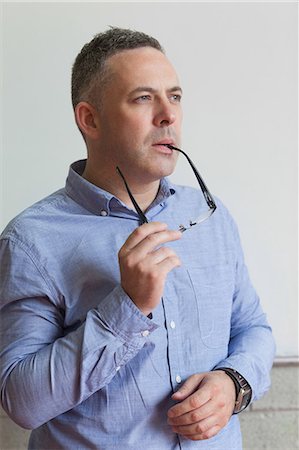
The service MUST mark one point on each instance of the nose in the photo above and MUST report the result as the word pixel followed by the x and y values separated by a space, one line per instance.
pixel 165 115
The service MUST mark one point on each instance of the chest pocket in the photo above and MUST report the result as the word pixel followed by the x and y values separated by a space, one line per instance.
pixel 213 288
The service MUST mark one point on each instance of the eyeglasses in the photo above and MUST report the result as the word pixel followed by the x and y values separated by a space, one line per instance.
pixel 208 197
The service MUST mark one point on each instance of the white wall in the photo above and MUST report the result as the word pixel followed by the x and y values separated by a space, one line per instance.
pixel 238 68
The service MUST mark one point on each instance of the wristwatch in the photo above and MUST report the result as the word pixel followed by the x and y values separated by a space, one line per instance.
pixel 243 389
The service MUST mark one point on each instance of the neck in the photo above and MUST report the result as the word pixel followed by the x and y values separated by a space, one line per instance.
pixel 144 193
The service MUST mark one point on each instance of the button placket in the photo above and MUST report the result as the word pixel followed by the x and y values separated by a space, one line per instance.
pixel 174 344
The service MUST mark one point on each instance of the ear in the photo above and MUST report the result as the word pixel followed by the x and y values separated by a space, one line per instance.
pixel 87 119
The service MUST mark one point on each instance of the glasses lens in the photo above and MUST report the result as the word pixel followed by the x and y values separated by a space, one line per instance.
pixel 204 216
pixel 201 218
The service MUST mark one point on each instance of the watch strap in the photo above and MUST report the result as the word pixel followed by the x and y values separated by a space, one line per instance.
pixel 243 389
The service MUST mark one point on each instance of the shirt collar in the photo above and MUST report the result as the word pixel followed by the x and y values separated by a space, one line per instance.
pixel 100 202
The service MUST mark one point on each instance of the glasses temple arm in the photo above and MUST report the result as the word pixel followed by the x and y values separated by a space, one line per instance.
pixel 136 206
pixel 205 191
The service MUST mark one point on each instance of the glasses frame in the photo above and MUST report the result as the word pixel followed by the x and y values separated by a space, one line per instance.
pixel 206 193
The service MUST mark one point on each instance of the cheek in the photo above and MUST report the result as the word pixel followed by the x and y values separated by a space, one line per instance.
pixel 179 120
pixel 136 128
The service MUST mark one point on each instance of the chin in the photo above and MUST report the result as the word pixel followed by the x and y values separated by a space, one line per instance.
pixel 168 170
pixel 154 171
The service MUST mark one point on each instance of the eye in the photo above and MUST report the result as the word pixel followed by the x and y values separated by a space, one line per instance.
pixel 143 98
pixel 176 98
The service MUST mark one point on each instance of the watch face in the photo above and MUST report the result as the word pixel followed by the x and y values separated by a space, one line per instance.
pixel 243 399
pixel 243 389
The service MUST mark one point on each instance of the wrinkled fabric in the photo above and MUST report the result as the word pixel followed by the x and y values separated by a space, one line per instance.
pixel 80 364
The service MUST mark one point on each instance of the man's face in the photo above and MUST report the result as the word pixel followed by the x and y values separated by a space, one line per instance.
pixel 140 110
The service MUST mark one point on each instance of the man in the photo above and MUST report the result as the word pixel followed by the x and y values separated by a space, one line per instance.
pixel 118 335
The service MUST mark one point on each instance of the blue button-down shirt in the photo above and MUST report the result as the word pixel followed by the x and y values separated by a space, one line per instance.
pixel 80 363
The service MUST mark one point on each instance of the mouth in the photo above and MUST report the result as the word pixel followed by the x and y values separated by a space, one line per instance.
pixel 164 142
pixel 164 146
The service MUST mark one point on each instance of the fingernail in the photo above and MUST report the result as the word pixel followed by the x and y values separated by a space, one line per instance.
pixel 177 393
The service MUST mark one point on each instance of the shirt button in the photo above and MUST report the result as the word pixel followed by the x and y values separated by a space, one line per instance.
pixel 145 333
pixel 117 368
pixel 172 324
pixel 178 379
pixel 103 213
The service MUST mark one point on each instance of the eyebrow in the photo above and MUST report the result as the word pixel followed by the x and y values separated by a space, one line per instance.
pixel 152 90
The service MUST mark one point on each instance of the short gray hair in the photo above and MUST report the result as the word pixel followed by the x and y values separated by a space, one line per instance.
pixel 89 71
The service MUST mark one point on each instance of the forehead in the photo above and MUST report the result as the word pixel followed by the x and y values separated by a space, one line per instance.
pixel 141 66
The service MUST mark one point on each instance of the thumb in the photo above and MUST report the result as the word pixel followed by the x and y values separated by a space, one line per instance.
pixel 190 386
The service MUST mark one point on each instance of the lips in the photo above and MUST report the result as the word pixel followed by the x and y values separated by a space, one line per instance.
pixel 163 147
pixel 164 142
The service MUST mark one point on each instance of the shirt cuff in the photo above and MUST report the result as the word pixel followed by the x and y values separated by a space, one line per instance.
pixel 124 319
pixel 242 366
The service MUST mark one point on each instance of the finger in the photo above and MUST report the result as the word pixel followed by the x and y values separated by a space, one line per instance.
pixel 190 386
pixel 154 241
pixel 194 401
pixel 145 247
pixel 194 416
pixel 168 264
pixel 162 266
pixel 199 428
pixel 159 255
pixel 206 435
pixel 142 232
